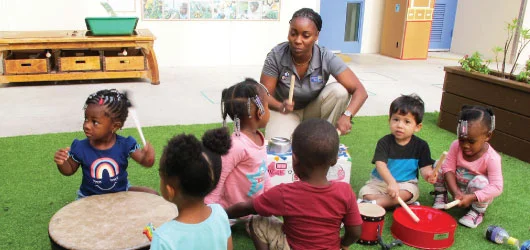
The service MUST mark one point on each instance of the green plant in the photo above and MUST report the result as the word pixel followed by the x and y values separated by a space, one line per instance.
pixel 108 8
pixel 524 38
pixel 524 75
pixel 475 63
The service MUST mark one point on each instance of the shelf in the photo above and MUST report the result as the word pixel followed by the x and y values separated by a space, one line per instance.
pixel 74 76
pixel 142 39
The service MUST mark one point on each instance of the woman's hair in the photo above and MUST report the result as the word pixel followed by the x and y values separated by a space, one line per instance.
pixel 308 13
pixel 117 103
pixel 236 100
pixel 197 165
pixel 471 113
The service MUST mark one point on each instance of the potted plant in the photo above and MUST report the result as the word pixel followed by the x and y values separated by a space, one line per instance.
pixel 506 93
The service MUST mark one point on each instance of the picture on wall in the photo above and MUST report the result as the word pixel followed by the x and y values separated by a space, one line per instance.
pixel 210 10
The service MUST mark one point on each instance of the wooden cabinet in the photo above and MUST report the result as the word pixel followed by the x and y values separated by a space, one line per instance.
pixel 76 55
pixel 406 28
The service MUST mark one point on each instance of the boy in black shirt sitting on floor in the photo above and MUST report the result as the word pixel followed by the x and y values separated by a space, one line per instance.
pixel 399 155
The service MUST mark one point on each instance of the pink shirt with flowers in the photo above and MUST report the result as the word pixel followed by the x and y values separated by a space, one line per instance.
pixel 489 165
pixel 244 174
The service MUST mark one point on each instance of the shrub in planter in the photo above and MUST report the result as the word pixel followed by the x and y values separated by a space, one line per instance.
pixel 507 94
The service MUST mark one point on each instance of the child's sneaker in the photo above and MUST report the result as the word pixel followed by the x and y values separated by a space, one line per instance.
pixel 472 219
pixel 440 198
pixel 416 203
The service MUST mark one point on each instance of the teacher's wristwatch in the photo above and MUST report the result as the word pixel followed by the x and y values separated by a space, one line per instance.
pixel 349 115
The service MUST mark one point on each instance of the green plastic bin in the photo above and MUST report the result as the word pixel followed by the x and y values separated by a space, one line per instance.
pixel 111 26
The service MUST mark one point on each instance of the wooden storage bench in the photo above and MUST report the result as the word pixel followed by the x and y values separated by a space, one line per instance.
pixel 140 63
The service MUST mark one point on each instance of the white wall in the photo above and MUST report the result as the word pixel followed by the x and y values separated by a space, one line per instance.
pixel 480 25
pixel 372 26
pixel 190 43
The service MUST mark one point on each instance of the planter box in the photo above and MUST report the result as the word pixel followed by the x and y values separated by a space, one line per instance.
pixel 510 101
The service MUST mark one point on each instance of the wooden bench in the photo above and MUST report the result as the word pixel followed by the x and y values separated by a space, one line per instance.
pixel 55 41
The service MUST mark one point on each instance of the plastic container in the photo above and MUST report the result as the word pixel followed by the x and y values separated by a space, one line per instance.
pixel 111 26
pixel 498 235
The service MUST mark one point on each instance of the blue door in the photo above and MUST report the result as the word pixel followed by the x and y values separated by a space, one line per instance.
pixel 443 21
pixel 342 22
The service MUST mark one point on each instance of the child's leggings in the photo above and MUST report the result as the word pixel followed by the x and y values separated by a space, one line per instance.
pixel 468 183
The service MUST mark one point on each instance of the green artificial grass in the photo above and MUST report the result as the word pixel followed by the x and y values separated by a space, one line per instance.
pixel 32 189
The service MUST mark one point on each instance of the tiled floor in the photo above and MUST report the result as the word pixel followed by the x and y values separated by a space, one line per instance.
pixel 189 95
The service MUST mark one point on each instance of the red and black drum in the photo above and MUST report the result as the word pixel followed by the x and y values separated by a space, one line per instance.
pixel 373 221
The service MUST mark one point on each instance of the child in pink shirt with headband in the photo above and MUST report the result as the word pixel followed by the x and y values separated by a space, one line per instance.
pixel 244 174
pixel 472 170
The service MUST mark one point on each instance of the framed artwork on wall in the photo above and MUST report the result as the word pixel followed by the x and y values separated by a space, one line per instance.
pixel 186 10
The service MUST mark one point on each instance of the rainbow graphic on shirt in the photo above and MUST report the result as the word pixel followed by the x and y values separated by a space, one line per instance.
pixel 101 165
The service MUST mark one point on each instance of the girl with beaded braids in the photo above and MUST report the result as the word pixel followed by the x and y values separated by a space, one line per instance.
pixel 244 174
pixel 104 155
pixel 472 170
pixel 312 66
pixel 189 170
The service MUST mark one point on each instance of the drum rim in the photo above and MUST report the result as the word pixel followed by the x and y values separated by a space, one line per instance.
pixel 374 208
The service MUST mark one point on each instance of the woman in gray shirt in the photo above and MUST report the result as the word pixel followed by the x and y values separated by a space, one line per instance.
pixel 312 65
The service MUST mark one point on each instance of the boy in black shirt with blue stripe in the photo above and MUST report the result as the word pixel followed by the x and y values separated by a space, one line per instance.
pixel 399 155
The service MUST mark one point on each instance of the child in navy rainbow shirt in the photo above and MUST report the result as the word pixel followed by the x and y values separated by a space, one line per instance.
pixel 104 155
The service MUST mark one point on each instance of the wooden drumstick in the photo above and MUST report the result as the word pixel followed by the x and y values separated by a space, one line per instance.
pixel 291 89
pixel 407 208
pixel 439 164
pixel 451 204
pixel 132 113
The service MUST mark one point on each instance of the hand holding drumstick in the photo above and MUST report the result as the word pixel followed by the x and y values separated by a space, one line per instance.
pixel 451 204
pixel 434 176
pixel 462 200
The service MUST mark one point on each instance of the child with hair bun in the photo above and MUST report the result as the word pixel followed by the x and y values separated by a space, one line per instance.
pixel 104 155
pixel 244 173
pixel 472 170
pixel 189 170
